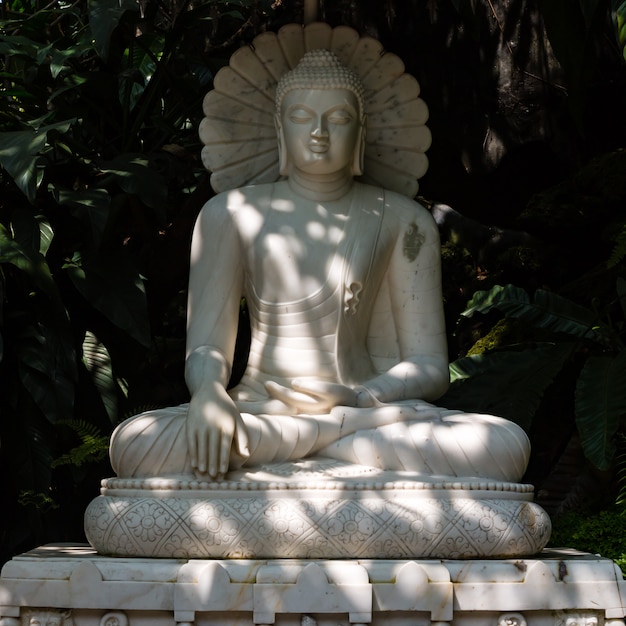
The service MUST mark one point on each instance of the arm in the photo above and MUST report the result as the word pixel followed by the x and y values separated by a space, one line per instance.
pixel 414 278
pixel 215 288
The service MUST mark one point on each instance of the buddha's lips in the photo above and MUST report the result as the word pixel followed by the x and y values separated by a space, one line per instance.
pixel 318 147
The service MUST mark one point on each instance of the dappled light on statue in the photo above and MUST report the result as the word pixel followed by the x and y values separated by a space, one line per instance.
pixel 343 288
pixel 340 270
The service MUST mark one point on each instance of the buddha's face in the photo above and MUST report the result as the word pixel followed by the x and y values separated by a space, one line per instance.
pixel 321 130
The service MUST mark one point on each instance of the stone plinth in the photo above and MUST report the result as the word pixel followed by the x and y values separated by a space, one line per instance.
pixel 76 585
pixel 316 510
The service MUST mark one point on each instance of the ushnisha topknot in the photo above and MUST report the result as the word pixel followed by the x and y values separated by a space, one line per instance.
pixel 320 69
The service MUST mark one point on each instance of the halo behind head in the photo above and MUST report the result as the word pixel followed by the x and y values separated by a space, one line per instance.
pixel 238 130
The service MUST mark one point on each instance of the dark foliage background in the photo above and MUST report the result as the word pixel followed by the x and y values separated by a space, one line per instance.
pixel 101 182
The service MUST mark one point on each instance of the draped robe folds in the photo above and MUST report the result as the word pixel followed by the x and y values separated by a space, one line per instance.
pixel 406 433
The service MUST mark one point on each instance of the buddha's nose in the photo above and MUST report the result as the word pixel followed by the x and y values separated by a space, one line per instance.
pixel 319 130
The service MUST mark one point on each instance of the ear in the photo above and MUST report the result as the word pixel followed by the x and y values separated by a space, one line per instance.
pixel 359 153
pixel 283 164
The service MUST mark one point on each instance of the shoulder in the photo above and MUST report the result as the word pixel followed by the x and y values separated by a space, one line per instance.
pixel 405 213
pixel 237 204
pixel 235 199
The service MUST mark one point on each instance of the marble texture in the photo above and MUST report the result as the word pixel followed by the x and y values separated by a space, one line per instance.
pixel 310 510
pixel 348 352
pixel 306 502
pixel 343 286
pixel 238 129
pixel 73 586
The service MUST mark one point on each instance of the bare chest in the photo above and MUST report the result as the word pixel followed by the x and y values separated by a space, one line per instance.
pixel 294 253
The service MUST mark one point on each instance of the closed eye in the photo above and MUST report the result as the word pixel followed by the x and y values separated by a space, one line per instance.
pixel 300 116
pixel 340 118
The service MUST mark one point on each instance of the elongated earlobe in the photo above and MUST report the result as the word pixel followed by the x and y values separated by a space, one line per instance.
pixel 283 162
pixel 359 153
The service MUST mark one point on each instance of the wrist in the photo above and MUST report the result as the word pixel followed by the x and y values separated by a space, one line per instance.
pixel 210 391
pixel 206 367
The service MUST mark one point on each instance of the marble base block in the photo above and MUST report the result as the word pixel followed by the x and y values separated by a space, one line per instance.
pixel 73 586
pixel 310 510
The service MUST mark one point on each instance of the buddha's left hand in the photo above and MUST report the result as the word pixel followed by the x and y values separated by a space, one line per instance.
pixel 318 396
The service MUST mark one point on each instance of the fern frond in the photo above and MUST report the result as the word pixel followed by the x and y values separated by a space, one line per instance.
pixel 620 464
pixel 619 249
pixel 38 499
pixel 93 447
pixel 141 408
pixel 82 428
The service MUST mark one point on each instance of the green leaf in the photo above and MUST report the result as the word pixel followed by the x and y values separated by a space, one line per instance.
pixel 46 367
pixel 146 51
pixel 134 175
pixel 23 250
pixel 601 406
pixel 17 45
pixel 548 310
pixel 59 58
pixel 32 232
pixel 90 207
pixel 509 384
pixel 38 499
pixel 113 286
pixel 484 301
pixel 131 88
pixel 104 16
pixel 70 83
pixel 37 122
pixel 619 248
pixel 93 447
pixel 18 156
pixel 98 363
pixel 26 231
pixel 19 151
pixel 619 20
pixel 46 234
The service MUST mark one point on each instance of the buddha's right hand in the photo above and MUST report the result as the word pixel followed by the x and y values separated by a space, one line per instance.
pixel 319 396
pixel 213 423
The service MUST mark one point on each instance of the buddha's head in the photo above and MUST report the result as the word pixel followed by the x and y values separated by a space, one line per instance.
pixel 320 117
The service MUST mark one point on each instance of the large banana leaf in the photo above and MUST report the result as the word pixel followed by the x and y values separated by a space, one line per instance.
pixel 601 406
pixel 89 206
pixel 98 363
pixel 136 176
pixel 104 16
pixel 42 339
pixel 46 367
pixel 25 246
pixel 547 310
pixel 509 384
pixel 112 285
pixel 19 151
pixel 142 60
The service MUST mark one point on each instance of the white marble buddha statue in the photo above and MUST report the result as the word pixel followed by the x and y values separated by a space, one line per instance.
pixel 343 286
